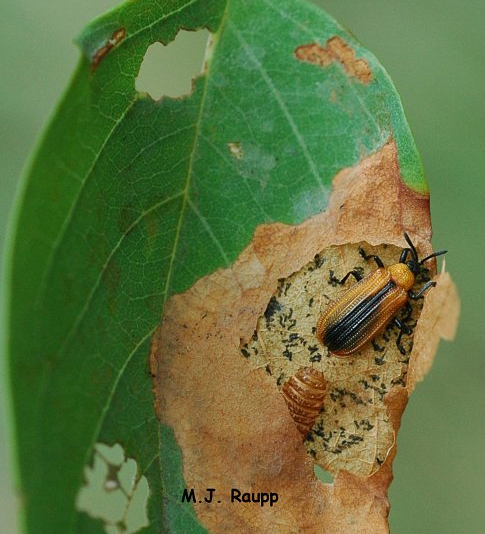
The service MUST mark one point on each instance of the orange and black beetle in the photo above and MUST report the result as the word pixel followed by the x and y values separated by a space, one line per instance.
pixel 363 312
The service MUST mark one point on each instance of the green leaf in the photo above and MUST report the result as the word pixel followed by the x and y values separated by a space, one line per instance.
pixel 128 201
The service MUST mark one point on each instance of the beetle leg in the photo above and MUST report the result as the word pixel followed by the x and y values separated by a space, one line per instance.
pixel 404 329
pixel 398 343
pixel 404 255
pixel 354 273
pixel 419 294
pixel 371 256
pixel 409 312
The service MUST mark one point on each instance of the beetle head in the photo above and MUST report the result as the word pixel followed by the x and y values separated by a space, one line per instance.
pixel 413 266
pixel 415 263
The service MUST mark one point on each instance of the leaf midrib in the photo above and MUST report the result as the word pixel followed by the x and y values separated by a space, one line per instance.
pixel 54 250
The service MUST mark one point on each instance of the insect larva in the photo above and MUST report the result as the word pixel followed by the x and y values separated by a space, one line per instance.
pixel 304 393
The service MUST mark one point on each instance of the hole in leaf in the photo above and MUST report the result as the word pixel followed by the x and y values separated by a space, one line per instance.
pixel 169 70
pixel 114 491
pixel 322 475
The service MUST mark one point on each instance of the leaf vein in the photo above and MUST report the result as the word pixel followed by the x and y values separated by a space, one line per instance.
pixel 70 214
pixel 91 294
pixel 281 103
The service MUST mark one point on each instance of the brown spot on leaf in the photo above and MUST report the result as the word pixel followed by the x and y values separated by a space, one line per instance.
pixel 224 411
pixel 116 37
pixel 336 49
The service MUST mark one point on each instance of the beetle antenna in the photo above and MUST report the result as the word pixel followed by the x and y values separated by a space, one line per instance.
pixel 413 248
pixel 434 255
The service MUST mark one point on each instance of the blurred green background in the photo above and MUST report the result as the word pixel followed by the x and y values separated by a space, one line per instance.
pixel 435 53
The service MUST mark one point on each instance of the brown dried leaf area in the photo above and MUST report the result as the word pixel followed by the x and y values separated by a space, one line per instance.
pixel 353 431
pixel 336 49
pixel 226 410
pixel 116 37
